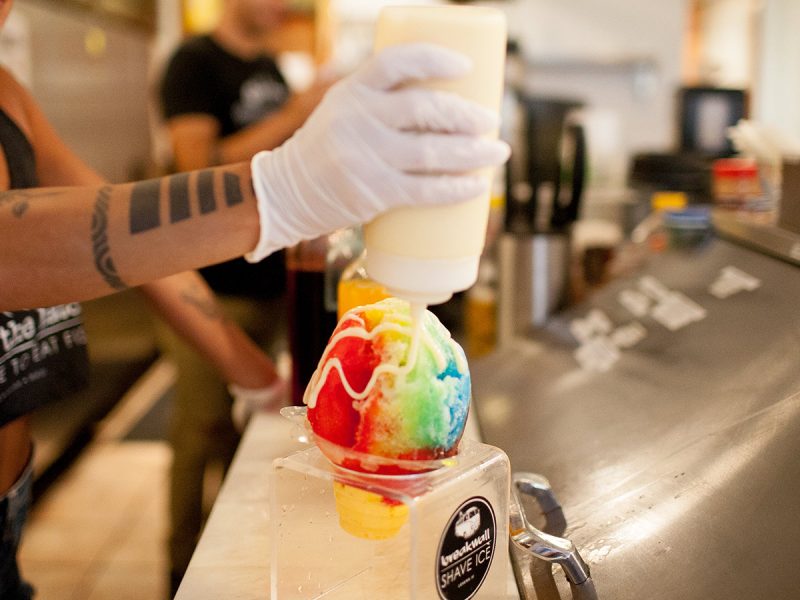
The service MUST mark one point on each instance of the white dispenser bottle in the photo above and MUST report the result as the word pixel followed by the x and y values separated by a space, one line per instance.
pixel 425 254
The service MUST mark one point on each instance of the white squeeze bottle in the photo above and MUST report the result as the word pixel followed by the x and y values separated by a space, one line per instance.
pixel 425 254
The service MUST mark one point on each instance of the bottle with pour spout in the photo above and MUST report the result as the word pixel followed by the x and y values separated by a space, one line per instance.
pixel 425 254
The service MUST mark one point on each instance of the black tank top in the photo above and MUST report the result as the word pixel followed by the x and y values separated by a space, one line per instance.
pixel 42 350
pixel 19 154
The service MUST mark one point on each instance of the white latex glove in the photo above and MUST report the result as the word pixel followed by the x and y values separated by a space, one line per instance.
pixel 372 145
pixel 247 401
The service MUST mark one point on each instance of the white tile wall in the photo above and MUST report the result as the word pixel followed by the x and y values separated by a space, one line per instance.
pixel 622 57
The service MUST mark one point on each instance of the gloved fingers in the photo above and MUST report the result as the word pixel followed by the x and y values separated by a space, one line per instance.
pixel 241 412
pixel 405 63
pixel 420 109
pixel 443 153
pixel 444 189
pixel 260 397
pixel 248 401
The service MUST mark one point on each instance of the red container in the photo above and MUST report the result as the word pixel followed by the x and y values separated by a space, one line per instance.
pixel 736 182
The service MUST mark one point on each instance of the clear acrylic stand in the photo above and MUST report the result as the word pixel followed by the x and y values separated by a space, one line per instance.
pixel 343 534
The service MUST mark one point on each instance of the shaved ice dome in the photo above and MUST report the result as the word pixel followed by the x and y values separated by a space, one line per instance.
pixel 376 392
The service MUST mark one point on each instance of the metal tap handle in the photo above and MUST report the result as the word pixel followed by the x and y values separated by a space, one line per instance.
pixel 532 484
pixel 528 542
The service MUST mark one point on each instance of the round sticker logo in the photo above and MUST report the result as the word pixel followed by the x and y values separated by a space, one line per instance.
pixel 466 550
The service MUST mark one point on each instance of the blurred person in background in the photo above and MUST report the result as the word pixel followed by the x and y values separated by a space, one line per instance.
pixel 224 99
pixel 371 145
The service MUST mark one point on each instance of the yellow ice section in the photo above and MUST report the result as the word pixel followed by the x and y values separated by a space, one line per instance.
pixel 367 515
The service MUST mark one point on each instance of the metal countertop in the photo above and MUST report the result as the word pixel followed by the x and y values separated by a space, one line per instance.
pixel 679 468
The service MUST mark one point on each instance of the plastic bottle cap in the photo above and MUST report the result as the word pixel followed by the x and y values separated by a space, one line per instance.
pixel 693 217
pixel 422 280
pixel 668 200
pixel 735 167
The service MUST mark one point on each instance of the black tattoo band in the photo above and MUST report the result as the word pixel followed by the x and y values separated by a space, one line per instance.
pixel 102 259
pixel 145 205
pixel 205 192
pixel 145 210
pixel 233 193
pixel 179 198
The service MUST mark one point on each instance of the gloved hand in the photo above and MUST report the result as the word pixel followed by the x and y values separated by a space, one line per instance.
pixel 372 145
pixel 247 401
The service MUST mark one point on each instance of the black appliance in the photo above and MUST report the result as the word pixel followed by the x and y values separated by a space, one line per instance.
pixel 545 181
pixel 546 173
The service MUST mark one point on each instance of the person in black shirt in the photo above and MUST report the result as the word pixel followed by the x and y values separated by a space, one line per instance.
pixel 223 99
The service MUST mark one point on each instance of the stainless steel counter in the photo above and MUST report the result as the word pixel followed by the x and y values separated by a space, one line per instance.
pixel 678 468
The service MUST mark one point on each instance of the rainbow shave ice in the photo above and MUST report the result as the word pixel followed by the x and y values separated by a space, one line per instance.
pixel 389 386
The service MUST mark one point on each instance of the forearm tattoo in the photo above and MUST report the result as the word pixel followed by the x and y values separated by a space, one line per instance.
pixel 20 199
pixel 181 190
pixel 100 249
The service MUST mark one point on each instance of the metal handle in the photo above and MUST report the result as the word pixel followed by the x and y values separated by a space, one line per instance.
pixel 532 484
pixel 566 205
pixel 529 543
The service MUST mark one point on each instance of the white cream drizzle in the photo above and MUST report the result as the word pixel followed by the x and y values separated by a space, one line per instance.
pixel 411 326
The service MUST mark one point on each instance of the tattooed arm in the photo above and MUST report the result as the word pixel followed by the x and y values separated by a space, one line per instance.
pixel 62 244
pixel 67 244
pixel 183 300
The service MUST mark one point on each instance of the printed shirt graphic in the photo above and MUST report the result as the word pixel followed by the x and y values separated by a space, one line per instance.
pixel 259 96
pixel 42 351
pixel 42 357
